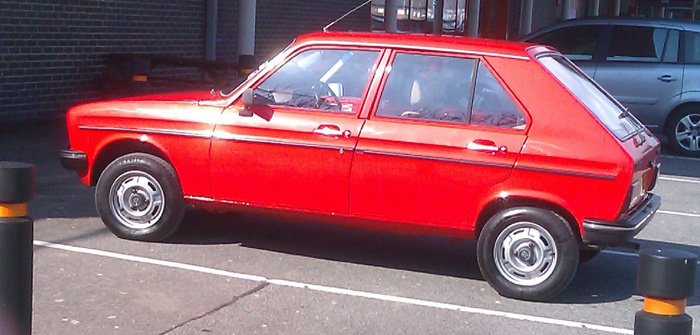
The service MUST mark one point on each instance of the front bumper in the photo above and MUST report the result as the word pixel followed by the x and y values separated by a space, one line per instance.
pixel 74 160
pixel 611 233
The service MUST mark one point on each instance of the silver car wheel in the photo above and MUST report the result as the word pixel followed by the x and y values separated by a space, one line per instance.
pixel 687 132
pixel 137 200
pixel 525 254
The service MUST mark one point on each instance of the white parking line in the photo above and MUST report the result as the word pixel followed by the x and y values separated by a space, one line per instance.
pixel 692 215
pixel 335 290
pixel 682 180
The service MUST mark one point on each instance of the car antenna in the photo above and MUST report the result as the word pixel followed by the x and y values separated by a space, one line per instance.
pixel 325 29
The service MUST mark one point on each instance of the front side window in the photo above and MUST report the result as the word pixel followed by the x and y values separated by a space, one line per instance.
pixel 600 103
pixel 428 87
pixel 637 44
pixel 331 80
pixel 575 42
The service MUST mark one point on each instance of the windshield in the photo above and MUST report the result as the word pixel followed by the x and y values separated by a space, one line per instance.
pixel 610 112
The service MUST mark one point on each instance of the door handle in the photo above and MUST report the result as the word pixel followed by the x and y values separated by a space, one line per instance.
pixel 331 130
pixel 486 146
pixel 667 78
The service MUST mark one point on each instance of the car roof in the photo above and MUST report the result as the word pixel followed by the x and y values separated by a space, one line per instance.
pixel 628 20
pixel 420 42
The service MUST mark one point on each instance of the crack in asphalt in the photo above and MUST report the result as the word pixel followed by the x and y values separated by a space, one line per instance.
pixel 218 308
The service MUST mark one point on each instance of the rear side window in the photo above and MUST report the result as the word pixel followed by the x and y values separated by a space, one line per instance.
pixel 448 89
pixel 575 42
pixel 640 44
pixel 692 48
pixel 428 87
pixel 492 105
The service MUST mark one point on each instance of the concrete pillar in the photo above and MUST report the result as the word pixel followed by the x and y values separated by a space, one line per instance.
pixel 246 35
pixel 437 20
pixel 473 18
pixel 595 7
pixel 212 16
pixel 391 9
pixel 526 17
pixel 569 9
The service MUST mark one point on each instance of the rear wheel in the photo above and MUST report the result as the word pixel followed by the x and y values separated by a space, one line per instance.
pixel 684 131
pixel 138 197
pixel 527 253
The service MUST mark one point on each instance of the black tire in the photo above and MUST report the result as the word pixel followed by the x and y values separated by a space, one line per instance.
pixel 685 121
pixel 585 255
pixel 508 237
pixel 139 197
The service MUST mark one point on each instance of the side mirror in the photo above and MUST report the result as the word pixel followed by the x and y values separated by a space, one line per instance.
pixel 247 98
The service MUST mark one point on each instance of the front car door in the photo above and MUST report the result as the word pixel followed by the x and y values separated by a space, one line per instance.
pixel 641 69
pixel 300 158
pixel 444 132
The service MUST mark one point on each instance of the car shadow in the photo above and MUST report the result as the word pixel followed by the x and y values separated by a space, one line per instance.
pixel 609 277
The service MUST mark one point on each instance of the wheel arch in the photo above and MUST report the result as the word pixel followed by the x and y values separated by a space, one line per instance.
pixel 500 204
pixel 675 110
pixel 118 148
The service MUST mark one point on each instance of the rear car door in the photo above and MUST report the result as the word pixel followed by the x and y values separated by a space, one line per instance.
pixel 443 132
pixel 641 69
pixel 300 158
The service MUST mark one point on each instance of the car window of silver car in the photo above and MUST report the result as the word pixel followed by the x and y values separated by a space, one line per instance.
pixel 575 42
pixel 637 44
pixel 692 47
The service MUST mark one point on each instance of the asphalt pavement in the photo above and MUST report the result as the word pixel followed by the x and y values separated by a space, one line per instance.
pixel 246 274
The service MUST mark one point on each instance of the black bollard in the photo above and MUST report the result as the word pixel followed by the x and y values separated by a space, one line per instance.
pixel 16 248
pixel 666 278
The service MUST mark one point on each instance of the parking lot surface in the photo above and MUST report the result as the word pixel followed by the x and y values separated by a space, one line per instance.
pixel 246 274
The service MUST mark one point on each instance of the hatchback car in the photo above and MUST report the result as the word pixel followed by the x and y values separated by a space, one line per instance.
pixel 650 66
pixel 465 138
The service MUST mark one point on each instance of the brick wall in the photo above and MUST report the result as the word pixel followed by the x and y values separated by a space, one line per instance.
pixel 52 53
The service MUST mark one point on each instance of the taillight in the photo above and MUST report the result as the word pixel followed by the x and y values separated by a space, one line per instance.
pixel 636 193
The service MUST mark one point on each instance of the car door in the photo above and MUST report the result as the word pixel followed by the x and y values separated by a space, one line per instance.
pixel 581 43
pixel 642 71
pixel 444 132
pixel 300 157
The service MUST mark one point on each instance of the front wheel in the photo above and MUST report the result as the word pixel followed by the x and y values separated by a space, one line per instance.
pixel 138 197
pixel 684 131
pixel 527 253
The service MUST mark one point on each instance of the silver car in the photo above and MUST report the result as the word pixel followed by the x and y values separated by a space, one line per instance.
pixel 650 66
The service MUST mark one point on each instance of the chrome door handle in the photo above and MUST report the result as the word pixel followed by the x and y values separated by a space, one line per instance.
pixel 331 130
pixel 666 78
pixel 486 146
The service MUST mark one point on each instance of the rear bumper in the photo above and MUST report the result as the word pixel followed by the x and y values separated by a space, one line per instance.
pixel 74 160
pixel 611 233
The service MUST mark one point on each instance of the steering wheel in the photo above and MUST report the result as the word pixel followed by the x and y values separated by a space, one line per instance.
pixel 320 88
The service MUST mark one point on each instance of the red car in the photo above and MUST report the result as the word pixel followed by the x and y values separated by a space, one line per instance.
pixel 507 143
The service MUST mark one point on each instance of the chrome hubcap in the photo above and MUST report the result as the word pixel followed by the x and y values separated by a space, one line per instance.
pixel 136 200
pixel 525 254
pixel 688 132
